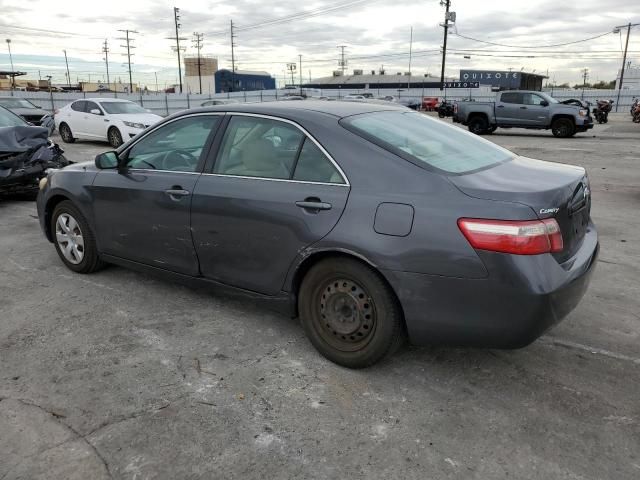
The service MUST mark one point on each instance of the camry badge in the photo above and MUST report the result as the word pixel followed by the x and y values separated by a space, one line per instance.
pixel 545 211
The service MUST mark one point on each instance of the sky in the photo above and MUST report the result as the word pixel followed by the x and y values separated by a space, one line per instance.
pixel 269 35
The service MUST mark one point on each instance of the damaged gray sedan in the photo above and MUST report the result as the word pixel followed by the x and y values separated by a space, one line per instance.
pixel 26 153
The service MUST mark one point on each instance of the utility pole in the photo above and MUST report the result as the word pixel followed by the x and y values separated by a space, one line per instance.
pixel 410 51
pixel 300 72
pixel 67 62
pixel 13 76
pixel 233 59
pixel 342 63
pixel 624 58
pixel 197 42
pixel 105 50
pixel 177 38
pixel 447 16
pixel 128 46
pixel 156 74
pixel 292 68
pixel 585 75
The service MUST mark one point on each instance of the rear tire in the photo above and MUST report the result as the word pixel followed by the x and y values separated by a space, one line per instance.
pixel 65 133
pixel 69 225
pixel 349 313
pixel 478 125
pixel 114 137
pixel 563 128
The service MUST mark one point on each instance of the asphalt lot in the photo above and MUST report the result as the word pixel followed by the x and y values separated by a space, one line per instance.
pixel 121 375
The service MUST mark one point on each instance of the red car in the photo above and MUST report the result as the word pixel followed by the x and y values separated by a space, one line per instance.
pixel 430 103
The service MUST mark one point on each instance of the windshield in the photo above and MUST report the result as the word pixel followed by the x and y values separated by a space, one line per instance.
pixel 16 103
pixel 8 119
pixel 122 107
pixel 427 142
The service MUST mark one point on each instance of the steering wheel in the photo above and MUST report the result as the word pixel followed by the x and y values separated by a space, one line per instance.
pixel 179 158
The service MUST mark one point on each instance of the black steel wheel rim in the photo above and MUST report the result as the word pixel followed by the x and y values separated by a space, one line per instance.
pixel 347 315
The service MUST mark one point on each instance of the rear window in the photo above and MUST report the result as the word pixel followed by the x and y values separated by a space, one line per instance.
pixel 427 142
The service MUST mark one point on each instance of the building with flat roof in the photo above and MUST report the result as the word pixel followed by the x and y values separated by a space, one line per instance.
pixel 243 80
pixel 193 79
pixel 504 79
pixel 360 80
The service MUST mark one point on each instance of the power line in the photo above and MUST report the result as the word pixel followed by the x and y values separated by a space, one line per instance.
pixel 530 46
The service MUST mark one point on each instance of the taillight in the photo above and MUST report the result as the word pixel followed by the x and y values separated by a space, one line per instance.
pixel 531 237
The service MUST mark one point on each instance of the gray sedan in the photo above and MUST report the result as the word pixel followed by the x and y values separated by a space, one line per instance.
pixel 369 222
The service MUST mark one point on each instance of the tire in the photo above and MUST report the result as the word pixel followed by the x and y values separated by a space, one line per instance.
pixel 65 133
pixel 68 225
pixel 563 128
pixel 491 129
pixel 349 313
pixel 115 137
pixel 478 125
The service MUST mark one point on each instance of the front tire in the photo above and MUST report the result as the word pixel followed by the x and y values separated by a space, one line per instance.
pixel 563 128
pixel 349 313
pixel 114 137
pixel 65 133
pixel 73 239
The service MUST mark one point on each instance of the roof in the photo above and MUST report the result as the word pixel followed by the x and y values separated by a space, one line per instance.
pixel 335 108
pixel 102 99
pixel 371 79
pixel 246 72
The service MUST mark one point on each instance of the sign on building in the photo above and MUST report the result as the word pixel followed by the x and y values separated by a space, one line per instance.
pixel 461 85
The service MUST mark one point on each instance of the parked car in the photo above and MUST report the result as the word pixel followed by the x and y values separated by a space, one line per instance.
pixel 25 154
pixel 368 221
pixel 524 109
pixel 34 114
pixel 430 103
pixel 218 101
pixel 292 97
pixel 106 119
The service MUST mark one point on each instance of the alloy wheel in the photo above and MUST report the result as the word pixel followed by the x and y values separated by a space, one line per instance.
pixel 69 238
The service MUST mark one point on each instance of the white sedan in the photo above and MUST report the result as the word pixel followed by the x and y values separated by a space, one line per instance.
pixel 109 119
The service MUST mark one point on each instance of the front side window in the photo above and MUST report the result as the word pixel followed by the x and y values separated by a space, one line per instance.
pixel 91 106
pixel 258 147
pixel 531 99
pixel 115 108
pixel 176 146
pixel 427 142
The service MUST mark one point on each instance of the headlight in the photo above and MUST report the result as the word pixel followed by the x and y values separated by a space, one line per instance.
pixel 583 113
pixel 42 183
pixel 134 125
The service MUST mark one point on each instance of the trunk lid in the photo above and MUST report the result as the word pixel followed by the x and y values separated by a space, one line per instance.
pixel 552 190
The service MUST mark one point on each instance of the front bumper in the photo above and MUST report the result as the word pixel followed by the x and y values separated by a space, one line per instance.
pixel 522 298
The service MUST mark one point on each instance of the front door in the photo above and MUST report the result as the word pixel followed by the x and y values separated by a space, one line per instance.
pixel 273 191
pixel 535 112
pixel 143 212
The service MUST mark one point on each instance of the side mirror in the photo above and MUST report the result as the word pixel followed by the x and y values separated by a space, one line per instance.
pixel 95 111
pixel 107 160
pixel 544 103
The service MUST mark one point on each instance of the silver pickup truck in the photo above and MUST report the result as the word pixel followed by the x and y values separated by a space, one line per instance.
pixel 523 109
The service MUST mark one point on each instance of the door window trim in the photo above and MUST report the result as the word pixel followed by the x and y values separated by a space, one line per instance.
pixel 304 132
pixel 203 156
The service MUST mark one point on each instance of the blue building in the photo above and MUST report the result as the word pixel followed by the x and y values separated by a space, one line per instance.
pixel 239 81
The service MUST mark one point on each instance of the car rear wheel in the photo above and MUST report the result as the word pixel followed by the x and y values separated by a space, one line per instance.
pixel 74 241
pixel 563 128
pixel 349 313
pixel 114 137
pixel 478 125
pixel 65 133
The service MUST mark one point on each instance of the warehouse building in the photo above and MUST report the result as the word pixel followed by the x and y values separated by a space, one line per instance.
pixel 504 79
pixel 205 76
pixel 359 80
pixel 239 81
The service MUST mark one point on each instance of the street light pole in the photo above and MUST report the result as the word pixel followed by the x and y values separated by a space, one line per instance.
pixel 67 62
pixel 13 77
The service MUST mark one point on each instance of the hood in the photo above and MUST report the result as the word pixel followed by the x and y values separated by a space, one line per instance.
pixel 29 112
pixel 144 118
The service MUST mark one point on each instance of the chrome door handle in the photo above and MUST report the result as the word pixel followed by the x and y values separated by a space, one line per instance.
pixel 313 205
pixel 523 108
pixel 177 192
pixel 500 106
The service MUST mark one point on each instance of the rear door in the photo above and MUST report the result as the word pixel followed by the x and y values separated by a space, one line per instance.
pixel 508 108
pixel 273 191
pixel 75 118
pixel 534 113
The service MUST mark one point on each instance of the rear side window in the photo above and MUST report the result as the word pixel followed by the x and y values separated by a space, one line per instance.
pixel 426 142
pixel 314 166
pixel 511 97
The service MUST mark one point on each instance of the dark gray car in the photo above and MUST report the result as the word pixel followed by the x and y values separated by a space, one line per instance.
pixel 27 110
pixel 370 222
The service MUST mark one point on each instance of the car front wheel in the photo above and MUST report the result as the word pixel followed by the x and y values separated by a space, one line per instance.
pixel 74 241
pixel 349 313
pixel 563 128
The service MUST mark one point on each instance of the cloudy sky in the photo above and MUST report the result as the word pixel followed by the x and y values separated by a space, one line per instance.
pixel 376 33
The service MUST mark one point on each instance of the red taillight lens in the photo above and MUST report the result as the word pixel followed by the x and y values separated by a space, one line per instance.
pixel 531 237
